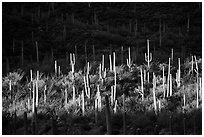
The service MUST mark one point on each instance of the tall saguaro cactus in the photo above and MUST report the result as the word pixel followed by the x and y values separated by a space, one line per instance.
pixel 168 77
pixel 154 95
pixel 55 67
pixel 178 74
pixel 142 84
pixel 37 94
pixel 163 82
pixel 129 58
pixel 148 59
pixel 110 59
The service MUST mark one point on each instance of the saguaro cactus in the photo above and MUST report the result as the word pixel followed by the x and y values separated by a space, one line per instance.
pixel 142 84
pixel 73 90
pixel 170 81
pixel 110 59
pixel 172 55
pixel 129 58
pixel 10 88
pixel 168 78
pixel 55 67
pixel 148 59
pixel 37 89
pixel 154 95
pixel 163 82
pixel 103 63
pixel 65 92
pixel 59 71
pixel 83 103
pixel 33 105
pixel 178 74
pixel 45 96
pixel 197 83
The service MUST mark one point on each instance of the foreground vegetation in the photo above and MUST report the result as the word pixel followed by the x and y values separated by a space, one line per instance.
pixel 151 98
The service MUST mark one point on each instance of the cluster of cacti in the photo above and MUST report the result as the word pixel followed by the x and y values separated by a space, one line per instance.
pixel 87 92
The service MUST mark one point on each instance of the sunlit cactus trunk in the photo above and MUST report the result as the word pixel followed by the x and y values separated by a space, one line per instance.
pixel 55 67
pixel 85 86
pixel 154 95
pixel 129 58
pixel 170 84
pixel 163 82
pixel 197 82
pixel 144 76
pixel 114 69
pixel 87 81
pixel 65 92
pixel 96 111
pixel 112 95
pixel 142 84
pixel 103 62
pixel 159 106
pixel 59 71
pixel 10 89
pixel 33 103
pixel 148 59
pixel 45 96
pixel 110 59
pixel 115 107
pixel 178 74
pixel 37 96
pixel 73 90
pixel 83 103
pixel 168 78
pixel 98 98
